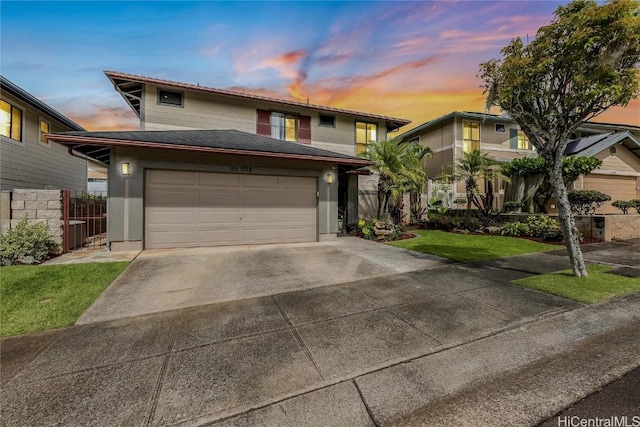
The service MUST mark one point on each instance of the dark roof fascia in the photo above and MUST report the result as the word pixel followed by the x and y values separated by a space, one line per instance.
pixel 608 141
pixel 78 142
pixel 24 96
pixel 609 126
pixel 468 115
pixel 112 75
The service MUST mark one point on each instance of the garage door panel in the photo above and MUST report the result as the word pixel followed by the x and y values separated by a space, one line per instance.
pixel 212 209
pixel 618 187
pixel 260 181
pixel 172 238
pixel 175 178
pixel 170 216
pixel 219 199
pixel 220 180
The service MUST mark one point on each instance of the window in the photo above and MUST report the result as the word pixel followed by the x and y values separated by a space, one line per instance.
pixel 326 120
pixel 415 140
pixel 169 98
pixel 10 121
pixel 45 128
pixel 365 133
pixel 523 141
pixel 500 128
pixel 470 136
pixel 284 126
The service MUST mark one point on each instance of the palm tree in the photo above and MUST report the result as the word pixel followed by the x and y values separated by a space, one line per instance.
pixel 470 167
pixel 399 166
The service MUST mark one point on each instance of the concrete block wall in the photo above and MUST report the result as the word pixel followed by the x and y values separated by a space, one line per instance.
pixel 38 205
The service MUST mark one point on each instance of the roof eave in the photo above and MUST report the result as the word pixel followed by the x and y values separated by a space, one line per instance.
pixel 398 122
pixel 74 141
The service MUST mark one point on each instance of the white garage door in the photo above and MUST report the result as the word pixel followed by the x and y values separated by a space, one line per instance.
pixel 618 187
pixel 186 209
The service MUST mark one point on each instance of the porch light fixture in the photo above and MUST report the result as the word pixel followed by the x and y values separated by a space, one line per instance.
pixel 329 178
pixel 125 168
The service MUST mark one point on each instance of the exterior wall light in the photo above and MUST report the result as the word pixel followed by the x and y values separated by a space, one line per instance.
pixel 329 178
pixel 125 168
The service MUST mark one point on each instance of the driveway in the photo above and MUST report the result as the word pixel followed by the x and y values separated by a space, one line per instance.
pixel 169 279
pixel 375 351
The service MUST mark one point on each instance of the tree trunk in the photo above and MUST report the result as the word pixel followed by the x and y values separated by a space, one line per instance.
pixel 567 222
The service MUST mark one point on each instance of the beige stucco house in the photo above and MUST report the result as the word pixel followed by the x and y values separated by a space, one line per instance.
pixel 618 146
pixel 217 167
pixel 27 158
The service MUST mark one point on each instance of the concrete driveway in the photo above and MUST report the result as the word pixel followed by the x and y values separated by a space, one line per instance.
pixel 169 279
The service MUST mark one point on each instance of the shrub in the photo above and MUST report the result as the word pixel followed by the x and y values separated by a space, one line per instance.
pixel 514 229
pixel 26 240
pixel 624 205
pixel 544 226
pixel 511 207
pixel 636 204
pixel 366 228
pixel 585 202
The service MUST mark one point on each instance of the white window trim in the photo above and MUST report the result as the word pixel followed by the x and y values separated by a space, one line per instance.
pixel 43 144
pixel 479 133
pixel 414 140
pixel 23 124
pixel 495 130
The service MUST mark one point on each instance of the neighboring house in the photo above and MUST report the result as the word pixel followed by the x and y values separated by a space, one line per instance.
pixel 27 159
pixel 617 146
pixel 217 167
pixel 97 179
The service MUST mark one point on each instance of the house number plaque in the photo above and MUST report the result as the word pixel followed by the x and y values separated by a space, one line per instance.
pixel 241 169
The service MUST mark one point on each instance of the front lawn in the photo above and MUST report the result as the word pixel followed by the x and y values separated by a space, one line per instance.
pixel 599 286
pixel 42 297
pixel 469 247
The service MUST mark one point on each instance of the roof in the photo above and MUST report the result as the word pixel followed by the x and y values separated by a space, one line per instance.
pixel 7 86
pixel 455 114
pixel 96 145
pixel 592 145
pixel 130 87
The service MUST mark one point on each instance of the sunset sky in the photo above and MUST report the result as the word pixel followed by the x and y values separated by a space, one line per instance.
pixel 416 60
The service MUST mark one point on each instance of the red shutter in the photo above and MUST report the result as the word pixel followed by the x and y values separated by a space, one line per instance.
pixel 304 130
pixel 263 123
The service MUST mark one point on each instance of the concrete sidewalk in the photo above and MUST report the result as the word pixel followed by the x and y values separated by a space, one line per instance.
pixel 454 344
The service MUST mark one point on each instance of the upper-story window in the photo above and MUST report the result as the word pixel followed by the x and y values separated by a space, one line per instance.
pixel 470 136
pixel 327 120
pixel 10 121
pixel 365 133
pixel 284 126
pixel 500 128
pixel 45 128
pixel 168 97
pixel 414 140
pixel 523 141
pixel 519 140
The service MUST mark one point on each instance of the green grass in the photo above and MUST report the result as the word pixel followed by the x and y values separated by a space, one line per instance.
pixel 469 247
pixel 42 297
pixel 599 286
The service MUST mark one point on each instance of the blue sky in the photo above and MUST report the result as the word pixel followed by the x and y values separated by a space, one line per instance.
pixel 415 60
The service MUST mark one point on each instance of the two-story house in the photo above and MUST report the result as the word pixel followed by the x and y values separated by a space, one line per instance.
pixel 27 158
pixel 218 167
pixel 618 146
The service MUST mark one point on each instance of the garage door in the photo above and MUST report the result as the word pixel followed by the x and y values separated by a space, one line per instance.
pixel 186 209
pixel 618 187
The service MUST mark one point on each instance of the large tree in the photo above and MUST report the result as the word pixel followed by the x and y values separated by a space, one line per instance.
pixel 400 169
pixel 584 62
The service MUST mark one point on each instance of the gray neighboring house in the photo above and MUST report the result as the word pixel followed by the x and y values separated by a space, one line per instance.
pixel 216 167
pixel 27 159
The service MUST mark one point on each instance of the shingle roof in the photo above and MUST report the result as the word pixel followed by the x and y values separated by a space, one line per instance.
pixel 218 141
pixel 8 86
pixel 455 114
pixel 122 80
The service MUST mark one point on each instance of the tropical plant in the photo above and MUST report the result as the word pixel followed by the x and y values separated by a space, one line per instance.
pixel 26 240
pixel 511 207
pixel 400 169
pixel 543 226
pixel 581 64
pixel 514 229
pixel 586 202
